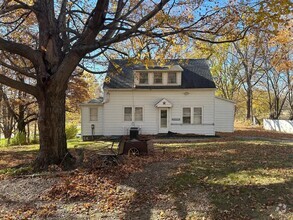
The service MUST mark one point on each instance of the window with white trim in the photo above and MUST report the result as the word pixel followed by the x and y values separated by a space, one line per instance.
pixel 197 116
pixel 93 114
pixel 144 78
pixel 127 113
pixel 186 116
pixel 158 78
pixel 138 114
pixel 172 78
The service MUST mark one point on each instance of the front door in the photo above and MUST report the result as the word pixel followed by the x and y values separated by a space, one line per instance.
pixel 163 120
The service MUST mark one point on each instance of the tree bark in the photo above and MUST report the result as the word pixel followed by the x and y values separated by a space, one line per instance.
pixel 248 103
pixel 21 125
pixel 53 146
pixel 28 133
pixel 7 122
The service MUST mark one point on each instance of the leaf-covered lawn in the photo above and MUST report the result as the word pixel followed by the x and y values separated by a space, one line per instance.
pixel 17 159
pixel 219 178
pixel 244 180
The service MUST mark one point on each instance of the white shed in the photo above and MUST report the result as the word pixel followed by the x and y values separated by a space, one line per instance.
pixel 224 115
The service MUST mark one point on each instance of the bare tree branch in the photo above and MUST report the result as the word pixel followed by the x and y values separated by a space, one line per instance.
pixel 126 34
pixel 91 71
pixel 21 70
pixel 20 49
pixel 19 85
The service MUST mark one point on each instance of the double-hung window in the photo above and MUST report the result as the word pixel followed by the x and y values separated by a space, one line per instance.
pixel 138 114
pixel 158 78
pixel 172 78
pixel 93 114
pixel 186 115
pixel 144 78
pixel 197 116
pixel 128 114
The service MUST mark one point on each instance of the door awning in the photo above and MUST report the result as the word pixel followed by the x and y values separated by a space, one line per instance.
pixel 164 103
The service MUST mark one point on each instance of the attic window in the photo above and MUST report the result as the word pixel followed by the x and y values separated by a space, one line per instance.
pixel 172 78
pixel 143 78
pixel 158 78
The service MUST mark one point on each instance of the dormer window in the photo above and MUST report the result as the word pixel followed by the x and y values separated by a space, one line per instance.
pixel 172 78
pixel 143 78
pixel 158 78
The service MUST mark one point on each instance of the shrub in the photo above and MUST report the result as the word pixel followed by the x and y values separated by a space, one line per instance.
pixel 71 131
pixel 19 139
pixel 35 141
pixel 4 142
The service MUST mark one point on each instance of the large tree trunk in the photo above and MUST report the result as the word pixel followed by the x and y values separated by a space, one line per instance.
pixel 21 125
pixel 7 123
pixel 21 110
pixel 53 146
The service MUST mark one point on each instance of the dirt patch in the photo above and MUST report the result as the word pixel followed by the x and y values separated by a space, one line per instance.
pixel 20 195
pixel 25 190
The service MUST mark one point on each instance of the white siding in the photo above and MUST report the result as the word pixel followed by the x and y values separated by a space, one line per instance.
pixel 285 126
pixel 114 123
pixel 224 115
pixel 86 123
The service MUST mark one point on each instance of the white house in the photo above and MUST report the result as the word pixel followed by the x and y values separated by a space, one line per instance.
pixel 177 97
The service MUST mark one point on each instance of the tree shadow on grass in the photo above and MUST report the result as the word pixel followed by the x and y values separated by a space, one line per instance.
pixel 217 181
pixel 148 185
pixel 16 159
pixel 243 182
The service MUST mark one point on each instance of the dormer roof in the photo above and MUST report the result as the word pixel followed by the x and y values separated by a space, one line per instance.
pixel 195 73
pixel 165 68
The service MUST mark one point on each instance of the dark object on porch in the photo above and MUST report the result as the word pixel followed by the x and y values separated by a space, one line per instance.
pixel 133 133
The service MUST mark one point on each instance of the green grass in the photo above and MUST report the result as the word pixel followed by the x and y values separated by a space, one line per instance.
pixel 77 142
pixel 14 171
pixel 94 145
pixel 22 148
pixel 15 160
pixel 244 179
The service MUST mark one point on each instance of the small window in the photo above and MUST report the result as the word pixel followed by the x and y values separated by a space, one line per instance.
pixel 186 115
pixel 158 79
pixel 197 116
pixel 93 114
pixel 127 114
pixel 138 114
pixel 172 78
pixel 143 78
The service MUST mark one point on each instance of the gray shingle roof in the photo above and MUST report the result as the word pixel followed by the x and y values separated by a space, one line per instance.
pixel 196 74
